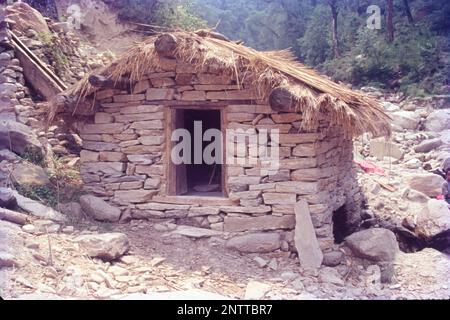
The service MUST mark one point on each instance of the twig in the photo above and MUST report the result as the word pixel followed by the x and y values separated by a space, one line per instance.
pixel 50 252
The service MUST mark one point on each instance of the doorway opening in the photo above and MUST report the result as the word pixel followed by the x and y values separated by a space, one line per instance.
pixel 341 225
pixel 199 177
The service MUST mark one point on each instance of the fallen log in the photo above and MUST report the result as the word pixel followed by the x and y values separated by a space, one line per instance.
pixel 281 99
pixel 14 217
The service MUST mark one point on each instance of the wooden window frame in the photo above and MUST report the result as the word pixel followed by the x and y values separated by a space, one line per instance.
pixel 170 167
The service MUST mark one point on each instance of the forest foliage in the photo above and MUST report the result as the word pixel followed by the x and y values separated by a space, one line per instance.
pixel 409 52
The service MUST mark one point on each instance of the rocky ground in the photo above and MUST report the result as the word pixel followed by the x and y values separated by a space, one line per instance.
pixel 56 264
pixel 403 198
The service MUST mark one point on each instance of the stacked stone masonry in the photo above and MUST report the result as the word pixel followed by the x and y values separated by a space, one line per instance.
pixel 124 158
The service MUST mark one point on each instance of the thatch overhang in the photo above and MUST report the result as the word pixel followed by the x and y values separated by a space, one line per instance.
pixel 276 76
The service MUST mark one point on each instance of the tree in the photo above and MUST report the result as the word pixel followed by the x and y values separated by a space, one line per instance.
pixel 408 11
pixel 390 20
pixel 335 37
pixel 315 44
pixel 46 7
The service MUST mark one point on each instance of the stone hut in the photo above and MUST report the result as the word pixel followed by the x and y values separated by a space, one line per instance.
pixel 126 114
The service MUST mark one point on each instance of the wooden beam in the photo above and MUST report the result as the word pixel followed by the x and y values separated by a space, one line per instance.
pixel 103 82
pixel 199 104
pixel 281 99
pixel 36 72
pixel 14 217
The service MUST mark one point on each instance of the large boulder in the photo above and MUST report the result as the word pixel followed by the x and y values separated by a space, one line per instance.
pixel 19 138
pixel 438 120
pixel 38 209
pixel 24 17
pixel 428 145
pixel 107 246
pixel 27 174
pixel 99 209
pixel 255 243
pixel 426 183
pixel 377 244
pixel 433 219
pixel 405 120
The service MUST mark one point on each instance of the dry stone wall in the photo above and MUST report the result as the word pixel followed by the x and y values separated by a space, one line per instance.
pixel 124 159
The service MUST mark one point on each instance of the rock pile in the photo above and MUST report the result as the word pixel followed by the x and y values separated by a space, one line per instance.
pixel 54 43
pixel 404 199
pixel 23 135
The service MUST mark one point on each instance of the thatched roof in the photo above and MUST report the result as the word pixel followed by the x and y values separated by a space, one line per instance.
pixel 312 93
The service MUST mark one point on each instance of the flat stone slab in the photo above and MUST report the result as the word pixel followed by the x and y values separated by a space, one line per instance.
pixel 193 232
pixel 255 242
pixel 37 209
pixel 306 242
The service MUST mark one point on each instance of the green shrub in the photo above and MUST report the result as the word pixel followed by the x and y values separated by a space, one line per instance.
pixel 54 52
pixel 34 156
pixel 174 13
pixel 47 195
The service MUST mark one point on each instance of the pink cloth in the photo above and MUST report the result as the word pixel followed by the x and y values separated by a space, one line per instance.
pixel 370 167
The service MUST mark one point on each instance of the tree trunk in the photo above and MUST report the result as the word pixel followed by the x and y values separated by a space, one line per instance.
pixel 389 20
pixel 334 13
pixel 408 11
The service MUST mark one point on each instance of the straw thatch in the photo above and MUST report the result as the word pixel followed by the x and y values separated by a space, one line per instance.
pixel 312 93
